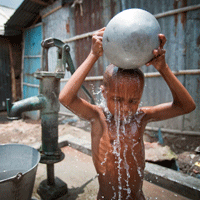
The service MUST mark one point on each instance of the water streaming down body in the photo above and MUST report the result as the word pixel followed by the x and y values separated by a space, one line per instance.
pixel 117 148
pixel 122 164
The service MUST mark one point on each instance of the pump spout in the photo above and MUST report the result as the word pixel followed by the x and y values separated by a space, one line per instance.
pixel 15 110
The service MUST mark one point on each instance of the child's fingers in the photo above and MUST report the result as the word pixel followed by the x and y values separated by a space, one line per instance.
pixel 100 32
pixel 94 38
pixel 97 39
pixel 97 43
pixel 162 39
pixel 102 29
pixel 158 52
pixel 100 38
pixel 155 52
pixel 161 52
pixel 148 64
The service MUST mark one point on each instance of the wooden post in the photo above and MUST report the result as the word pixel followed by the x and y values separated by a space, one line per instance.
pixel 12 72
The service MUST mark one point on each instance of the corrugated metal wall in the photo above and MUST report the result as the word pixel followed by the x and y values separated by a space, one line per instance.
pixel 87 21
pixel 182 31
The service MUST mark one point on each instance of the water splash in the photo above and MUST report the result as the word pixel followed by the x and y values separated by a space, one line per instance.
pixel 93 90
pixel 117 148
pixel 98 97
pixel 126 166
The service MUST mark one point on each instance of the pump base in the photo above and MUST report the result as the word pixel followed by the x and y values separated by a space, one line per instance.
pixel 52 192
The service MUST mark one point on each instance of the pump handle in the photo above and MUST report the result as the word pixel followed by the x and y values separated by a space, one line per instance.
pixel 52 42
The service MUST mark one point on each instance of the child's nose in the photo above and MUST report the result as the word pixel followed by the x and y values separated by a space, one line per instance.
pixel 125 107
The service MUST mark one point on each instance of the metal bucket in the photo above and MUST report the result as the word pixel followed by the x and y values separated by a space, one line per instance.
pixel 18 166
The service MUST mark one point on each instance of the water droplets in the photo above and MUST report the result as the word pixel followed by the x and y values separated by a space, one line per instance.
pixel 105 158
pixel 126 166
pixel 97 92
pixel 139 169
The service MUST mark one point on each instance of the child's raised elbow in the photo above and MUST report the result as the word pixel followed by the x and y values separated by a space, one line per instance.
pixel 65 99
pixel 191 107
pixel 62 99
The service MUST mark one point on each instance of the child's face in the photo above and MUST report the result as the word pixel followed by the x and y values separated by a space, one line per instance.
pixel 123 96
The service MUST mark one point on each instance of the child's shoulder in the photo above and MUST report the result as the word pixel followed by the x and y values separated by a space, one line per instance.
pixel 141 111
pixel 141 114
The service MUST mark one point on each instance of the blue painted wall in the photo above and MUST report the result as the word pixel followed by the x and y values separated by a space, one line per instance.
pixel 32 62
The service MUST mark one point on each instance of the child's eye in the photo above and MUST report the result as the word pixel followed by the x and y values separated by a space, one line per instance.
pixel 117 99
pixel 133 101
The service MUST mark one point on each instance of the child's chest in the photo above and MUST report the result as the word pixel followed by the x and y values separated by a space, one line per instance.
pixel 124 141
pixel 118 142
pixel 130 133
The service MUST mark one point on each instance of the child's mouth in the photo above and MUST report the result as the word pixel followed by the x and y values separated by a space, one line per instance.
pixel 125 116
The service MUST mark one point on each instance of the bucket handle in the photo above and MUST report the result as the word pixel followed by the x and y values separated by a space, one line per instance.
pixel 18 177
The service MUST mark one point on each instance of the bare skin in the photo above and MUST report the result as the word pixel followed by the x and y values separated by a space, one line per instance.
pixel 117 136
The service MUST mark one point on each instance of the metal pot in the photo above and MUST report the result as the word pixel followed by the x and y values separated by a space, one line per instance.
pixel 130 38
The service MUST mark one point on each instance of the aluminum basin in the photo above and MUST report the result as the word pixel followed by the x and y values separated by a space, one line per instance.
pixel 18 168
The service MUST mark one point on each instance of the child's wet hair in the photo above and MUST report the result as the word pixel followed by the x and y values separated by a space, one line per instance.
pixel 112 72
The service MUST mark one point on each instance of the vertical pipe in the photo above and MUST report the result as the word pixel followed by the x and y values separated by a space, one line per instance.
pixel 50 174
pixel 123 4
pixel 49 87
pixel 49 123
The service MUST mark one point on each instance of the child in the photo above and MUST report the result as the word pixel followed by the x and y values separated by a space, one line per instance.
pixel 117 134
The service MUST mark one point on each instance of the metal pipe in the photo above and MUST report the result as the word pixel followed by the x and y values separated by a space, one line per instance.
pixel 176 73
pixel 177 11
pixel 33 103
pixel 147 75
pixel 78 37
pixel 31 85
pixel 50 175
pixel 123 4
pixel 49 122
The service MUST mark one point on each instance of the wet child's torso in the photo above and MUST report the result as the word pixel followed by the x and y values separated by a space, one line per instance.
pixel 118 156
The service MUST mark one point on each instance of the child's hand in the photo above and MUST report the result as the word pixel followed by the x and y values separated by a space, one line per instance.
pixel 97 48
pixel 159 54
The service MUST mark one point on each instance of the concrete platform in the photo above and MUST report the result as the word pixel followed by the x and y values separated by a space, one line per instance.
pixel 78 172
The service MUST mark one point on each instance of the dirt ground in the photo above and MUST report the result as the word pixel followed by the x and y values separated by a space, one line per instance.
pixel 26 131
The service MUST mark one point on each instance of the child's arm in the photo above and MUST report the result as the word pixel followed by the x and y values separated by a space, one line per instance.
pixel 182 101
pixel 68 96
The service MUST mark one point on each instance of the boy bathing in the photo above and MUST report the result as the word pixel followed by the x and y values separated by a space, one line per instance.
pixel 117 132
